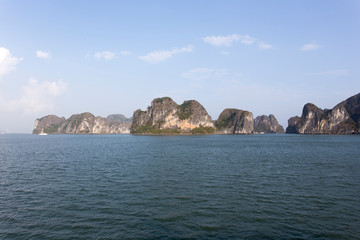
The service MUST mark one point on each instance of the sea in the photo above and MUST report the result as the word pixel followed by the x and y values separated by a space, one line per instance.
pixel 268 186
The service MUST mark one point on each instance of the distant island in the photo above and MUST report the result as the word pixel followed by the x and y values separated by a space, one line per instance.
pixel 164 116
pixel 344 118
pixel 84 123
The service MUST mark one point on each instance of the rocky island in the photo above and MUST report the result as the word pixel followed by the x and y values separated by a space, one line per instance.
pixel 267 124
pixel 235 121
pixel 344 118
pixel 163 116
pixel 84 123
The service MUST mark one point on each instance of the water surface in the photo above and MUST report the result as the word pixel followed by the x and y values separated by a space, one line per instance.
pixel 179 187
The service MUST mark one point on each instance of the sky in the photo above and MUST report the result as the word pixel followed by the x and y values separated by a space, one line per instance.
pixel 105 57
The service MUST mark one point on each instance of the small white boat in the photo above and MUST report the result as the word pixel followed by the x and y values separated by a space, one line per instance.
pixel 42 133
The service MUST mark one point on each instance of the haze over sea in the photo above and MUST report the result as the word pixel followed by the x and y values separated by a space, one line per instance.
pixel 179 187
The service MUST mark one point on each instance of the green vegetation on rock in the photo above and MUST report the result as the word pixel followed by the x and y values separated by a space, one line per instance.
pixel 258 129
pixel 203 130
pixel 148 128
pixel 51 129
pixel 326 114
pixel 185 110
pixel 223 122
pixel 161 100
pixel 152 130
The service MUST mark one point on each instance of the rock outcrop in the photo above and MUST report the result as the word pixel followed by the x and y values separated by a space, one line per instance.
pixel 344 118
pixel 267 124
pixel 48 124
pixel 84 123
pixel 235 121
pixel 165 116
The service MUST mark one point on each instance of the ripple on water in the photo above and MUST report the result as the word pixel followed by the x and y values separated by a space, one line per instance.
pixel 191 187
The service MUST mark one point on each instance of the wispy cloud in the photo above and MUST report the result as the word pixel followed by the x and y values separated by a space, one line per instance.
pixel 222 73
pixel 198 73
pixel 43 55
pixel 38 96
pixel 107 55
pixel 246 39
pixel 263 45
pixel 225 52
pixel 125 53
pixel 221 40
pixel 7 61
pixel 162 55
pixel 310 46
pixel 104 55
pixel 228 41
pixel 335 73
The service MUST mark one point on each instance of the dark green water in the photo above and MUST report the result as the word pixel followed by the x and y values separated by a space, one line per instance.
pixel 179 187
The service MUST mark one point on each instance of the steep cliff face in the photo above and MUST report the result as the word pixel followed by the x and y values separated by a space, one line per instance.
pixel 78 124
pixel 267 124
pixel 84 123
pixel 344 118
pixel 48 124
pixel 165 116
pixel 235 121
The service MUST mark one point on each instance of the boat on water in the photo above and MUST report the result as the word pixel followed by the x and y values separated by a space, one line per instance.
pixel 43 133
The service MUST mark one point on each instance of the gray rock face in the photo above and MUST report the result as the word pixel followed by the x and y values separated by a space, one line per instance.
pixel 48 124
pixel 117 118
pixel 165 116
pixel 344 118
pixel 235 121
pixel 267 124
pixel 84 123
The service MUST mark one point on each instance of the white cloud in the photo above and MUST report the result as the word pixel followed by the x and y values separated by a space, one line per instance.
pixel 7 61
pixel 263 45
pixel 247 40
pixel 106 55
pixel 221 40
pixel 221 73
pixel 310 46
pixel 38 96
pixel 198 74
pixel 225 52
pixel 125 53
pixel 43 55
pixel 162 55
pixel 228 40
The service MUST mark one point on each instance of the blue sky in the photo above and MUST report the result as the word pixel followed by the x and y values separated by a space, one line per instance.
pixel 66 57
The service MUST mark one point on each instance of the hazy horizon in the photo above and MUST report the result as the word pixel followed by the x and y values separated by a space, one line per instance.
pixel 68 57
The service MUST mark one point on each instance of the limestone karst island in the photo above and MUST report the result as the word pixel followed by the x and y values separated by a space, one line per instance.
pixel 165 116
